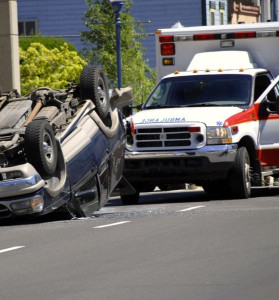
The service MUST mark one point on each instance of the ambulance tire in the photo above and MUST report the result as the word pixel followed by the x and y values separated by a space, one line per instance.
pixel 239 177
pixel 256 177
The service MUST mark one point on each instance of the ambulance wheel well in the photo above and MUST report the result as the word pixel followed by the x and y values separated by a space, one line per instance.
pixel 248 143
pixel 256 175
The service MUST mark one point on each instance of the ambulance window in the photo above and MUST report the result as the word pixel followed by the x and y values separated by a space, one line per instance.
pixel 261 84
pixel 160 94
pixel 215 90
pixel 202 90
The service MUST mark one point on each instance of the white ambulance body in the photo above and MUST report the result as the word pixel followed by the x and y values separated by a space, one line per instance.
pixel 181 44
pixel 214 119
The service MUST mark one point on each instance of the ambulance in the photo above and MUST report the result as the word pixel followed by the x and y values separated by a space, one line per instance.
pixel 213 117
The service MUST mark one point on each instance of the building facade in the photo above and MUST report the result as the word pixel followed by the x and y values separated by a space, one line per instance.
pixel 60 18
pixel 64 18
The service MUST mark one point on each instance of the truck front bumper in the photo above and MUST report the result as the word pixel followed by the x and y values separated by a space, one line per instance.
pixel 28 181
pixel 195 166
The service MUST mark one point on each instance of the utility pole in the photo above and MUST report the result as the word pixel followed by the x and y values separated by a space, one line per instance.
pixel 117 6
pixel 9 47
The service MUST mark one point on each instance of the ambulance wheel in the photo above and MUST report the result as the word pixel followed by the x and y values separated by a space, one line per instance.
pixel 240 177
pixel 256 177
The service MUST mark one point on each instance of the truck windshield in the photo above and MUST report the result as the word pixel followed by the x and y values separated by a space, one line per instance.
pixel 202 90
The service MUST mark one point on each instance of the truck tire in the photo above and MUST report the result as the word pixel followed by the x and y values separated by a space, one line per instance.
pixel 240 177
pixel 132 199
pixel 93 86
pixel 40 147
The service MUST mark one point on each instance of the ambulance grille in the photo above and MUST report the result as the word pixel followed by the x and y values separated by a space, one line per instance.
pixel 163 137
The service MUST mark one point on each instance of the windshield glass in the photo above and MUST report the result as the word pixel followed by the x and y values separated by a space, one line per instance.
pixel 202 90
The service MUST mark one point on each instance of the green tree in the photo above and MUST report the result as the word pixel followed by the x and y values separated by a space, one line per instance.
pixel 99 38
pixel 54 68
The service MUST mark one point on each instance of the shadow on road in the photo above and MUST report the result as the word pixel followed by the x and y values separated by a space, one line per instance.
pixel 157 197
pixel 28 220
pixel 186 196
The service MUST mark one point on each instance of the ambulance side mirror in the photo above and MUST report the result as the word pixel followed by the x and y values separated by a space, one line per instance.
pixel 277 104
pixel 272 107
pixel 272 103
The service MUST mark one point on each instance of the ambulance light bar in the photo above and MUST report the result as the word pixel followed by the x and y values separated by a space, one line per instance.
pixel 227 39
pixel 217 36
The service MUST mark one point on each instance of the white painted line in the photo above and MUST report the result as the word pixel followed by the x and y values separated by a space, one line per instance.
pixel 113 224
pixel 191 208
pixel 11 249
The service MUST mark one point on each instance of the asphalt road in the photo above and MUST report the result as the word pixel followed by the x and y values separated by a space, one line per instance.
pixel 175 245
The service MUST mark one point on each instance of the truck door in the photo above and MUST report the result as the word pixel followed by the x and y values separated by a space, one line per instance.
pixel 268 115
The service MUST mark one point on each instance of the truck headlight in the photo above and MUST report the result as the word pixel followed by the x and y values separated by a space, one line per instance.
pixel 28 206
pixel 216 135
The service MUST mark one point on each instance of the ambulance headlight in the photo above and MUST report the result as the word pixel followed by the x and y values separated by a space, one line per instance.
pixel 216 135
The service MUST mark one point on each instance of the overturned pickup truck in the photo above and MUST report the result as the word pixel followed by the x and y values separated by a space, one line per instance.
pixel 61 148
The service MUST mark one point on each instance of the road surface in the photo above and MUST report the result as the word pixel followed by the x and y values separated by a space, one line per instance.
pixel 174 245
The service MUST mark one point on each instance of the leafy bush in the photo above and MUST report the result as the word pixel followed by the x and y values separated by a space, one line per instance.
pixel 55 67
pixel 49 42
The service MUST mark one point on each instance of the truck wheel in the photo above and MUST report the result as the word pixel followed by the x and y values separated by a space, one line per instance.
pixel 132 199
pixel 40 147
pixel 239 177
pixel 93 86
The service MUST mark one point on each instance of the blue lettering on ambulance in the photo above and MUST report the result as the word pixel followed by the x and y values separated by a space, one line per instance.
pixel 164 120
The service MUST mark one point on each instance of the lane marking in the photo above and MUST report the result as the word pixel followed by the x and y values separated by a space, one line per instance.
pixel 11 249
pixel 191 208
pixel 112 224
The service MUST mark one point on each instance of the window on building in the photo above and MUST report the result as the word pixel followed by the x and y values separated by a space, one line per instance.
pixel 212 4
pixel 27 27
